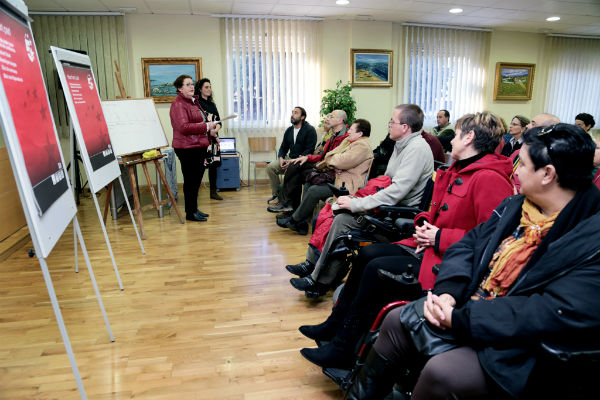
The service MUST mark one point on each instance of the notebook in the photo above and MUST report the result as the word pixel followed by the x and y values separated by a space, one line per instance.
pixel 228 146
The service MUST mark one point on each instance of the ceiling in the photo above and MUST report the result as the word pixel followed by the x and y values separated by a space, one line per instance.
pixel 581 17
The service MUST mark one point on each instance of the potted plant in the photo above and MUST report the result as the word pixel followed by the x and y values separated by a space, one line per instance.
pixel 338 99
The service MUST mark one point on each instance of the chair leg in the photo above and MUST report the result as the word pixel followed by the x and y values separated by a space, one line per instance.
pixel 255 177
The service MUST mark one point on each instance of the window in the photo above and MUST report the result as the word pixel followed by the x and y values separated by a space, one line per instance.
pixel 445 70
pixel 573 84
pixel 272 66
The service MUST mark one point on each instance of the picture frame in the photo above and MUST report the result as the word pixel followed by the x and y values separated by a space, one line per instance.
pixel 159 74
pixel 514 81
pixel 372 67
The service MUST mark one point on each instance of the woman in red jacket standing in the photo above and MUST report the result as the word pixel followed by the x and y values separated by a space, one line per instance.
pixel 190 140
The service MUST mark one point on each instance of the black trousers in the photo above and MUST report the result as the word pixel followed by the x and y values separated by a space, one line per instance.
pixel 212 177
pixel 192 168
pixel 294 179
pixel 364 293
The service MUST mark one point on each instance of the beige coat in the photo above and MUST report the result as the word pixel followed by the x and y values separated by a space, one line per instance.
pixel 351 161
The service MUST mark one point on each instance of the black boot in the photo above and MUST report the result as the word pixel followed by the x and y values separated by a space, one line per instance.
pixel 341 352
pixel 374 380
pixel 325 331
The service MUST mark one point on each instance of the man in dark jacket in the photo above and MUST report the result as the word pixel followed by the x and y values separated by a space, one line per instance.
pixel 298 140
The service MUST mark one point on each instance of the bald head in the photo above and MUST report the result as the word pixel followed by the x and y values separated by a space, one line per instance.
pixel 543 120
pixel 336 120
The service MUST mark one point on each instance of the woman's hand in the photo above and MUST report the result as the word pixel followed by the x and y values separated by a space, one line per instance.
pixel 438 310
pixel 301 160
pixel 425 234
pixel 210 126
pixel 213 133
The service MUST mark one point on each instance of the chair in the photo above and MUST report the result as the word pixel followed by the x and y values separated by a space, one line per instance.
pixel 260 145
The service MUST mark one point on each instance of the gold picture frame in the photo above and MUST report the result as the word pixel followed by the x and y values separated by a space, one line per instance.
pixel 514 81
pixel 372 68
pixel 159 74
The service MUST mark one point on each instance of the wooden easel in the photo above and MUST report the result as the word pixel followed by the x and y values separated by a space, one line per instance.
pixel 130 161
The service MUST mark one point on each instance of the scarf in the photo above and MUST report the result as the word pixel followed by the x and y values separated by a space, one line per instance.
pixel 518 252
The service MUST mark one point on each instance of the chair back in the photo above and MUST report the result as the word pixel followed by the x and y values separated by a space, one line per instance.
pixel 262 144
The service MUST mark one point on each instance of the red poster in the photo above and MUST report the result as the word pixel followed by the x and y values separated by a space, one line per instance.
pixel 89 113
pixel 26 94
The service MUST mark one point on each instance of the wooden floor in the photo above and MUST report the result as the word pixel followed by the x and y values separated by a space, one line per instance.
pixel 207 313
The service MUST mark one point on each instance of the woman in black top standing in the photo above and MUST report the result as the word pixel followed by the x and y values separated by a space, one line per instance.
pixel 204 92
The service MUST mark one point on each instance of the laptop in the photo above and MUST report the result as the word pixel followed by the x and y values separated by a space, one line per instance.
pixel 228 146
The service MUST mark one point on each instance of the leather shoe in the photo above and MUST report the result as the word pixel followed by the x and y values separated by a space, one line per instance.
pixel 200 213
pixel 303 269
pixel 271 199
pixel 282 222
pixel 311 288
pixel 279 208
pixel 330 355
pixel 195 217
pixel 215 196
pixel 300 227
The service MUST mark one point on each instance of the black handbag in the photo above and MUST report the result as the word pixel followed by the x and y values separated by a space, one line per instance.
pixel 321 176
pixel 428 339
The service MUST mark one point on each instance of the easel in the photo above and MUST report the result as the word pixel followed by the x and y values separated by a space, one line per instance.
pixel 131 161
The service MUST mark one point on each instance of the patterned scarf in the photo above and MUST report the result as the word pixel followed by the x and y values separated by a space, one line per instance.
pixel 518 252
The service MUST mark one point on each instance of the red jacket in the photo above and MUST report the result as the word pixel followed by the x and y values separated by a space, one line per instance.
pixel 189 125
pixel 461 200
pixel 596 178
pixel 329 145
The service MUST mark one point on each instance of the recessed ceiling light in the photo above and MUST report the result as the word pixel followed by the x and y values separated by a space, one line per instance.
pixel 342 2
pixel 456 10
pixel 552 19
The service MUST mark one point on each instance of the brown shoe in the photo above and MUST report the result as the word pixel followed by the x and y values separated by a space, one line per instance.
pixel 215 196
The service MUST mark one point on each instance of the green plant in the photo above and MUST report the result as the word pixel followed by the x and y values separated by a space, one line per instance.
pixel 339 99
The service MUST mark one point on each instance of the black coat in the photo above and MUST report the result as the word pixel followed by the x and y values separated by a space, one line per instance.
pixel 305 141
pixel 554 299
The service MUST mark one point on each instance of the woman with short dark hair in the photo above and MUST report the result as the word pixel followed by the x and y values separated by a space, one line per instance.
pixel 191 129
pixel 530 273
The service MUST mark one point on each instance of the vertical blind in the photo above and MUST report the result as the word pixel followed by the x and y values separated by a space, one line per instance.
pixel 573 84
pixel 445 70
pixel 272 66
pixel 101 37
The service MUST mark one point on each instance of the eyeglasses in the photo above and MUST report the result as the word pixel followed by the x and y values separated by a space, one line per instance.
pixel 188 84
pixel 391 122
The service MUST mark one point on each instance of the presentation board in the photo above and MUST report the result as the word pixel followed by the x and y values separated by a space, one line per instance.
pixel 31 138
pixel 133 125
pixel 83 101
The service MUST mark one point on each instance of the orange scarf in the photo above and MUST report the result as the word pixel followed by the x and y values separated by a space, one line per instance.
pixel 516 254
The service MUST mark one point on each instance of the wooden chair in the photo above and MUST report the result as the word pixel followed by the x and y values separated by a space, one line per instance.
pixel 260 145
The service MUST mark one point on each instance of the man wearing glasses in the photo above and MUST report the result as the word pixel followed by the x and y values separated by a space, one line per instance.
pixel 409 168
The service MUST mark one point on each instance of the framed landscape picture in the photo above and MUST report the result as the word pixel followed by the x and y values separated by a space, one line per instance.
pixel 513 81
pixel 159 74
pixel 371 68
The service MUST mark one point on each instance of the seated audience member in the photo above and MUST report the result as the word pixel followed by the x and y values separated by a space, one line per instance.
pixel 299 167
pixel 298 140
pixel 383 152
pixel 585 121
pixel 443 131
pixel 538 120
pixel 530 273
pixel 436 147
pixel 348 164
pixel 517 128
pixel 463 196
pixel 409 168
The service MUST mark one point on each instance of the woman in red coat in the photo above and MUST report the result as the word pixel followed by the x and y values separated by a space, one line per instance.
pixel 463 196
pixel 190 140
